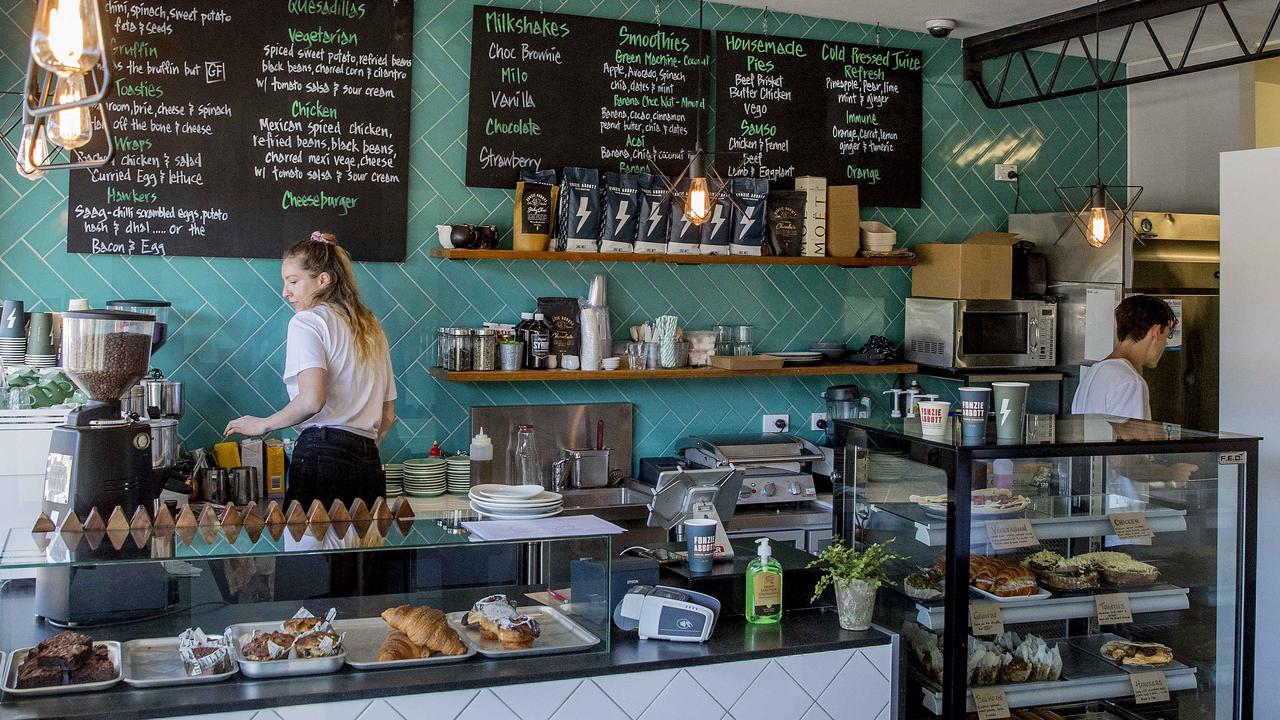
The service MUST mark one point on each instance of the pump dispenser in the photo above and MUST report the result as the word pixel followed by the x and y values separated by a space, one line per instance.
pixel 764 586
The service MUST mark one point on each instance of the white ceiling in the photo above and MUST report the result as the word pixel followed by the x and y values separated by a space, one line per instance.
pixel 979 16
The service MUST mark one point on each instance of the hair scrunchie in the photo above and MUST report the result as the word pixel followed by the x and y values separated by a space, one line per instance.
pixel 319 237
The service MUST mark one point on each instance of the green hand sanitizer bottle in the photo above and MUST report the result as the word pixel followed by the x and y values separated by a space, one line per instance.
pixel 764 586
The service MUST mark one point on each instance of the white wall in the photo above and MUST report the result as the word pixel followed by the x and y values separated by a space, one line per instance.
pixel 1177 128
pixel 1250 357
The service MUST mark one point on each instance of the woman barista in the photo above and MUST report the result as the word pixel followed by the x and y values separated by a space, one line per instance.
pixel 337 371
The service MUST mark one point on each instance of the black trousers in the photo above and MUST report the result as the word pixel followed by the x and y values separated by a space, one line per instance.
pixel 330 464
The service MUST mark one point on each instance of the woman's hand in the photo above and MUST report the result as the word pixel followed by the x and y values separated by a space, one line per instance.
pixel 247 425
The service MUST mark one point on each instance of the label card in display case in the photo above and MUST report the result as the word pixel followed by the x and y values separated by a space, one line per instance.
pixel 1011 534
pixel 1150 687
pixel 1114 609
pixel 992 703
pixel 986 619
pixel 239 128
pixel 1131 526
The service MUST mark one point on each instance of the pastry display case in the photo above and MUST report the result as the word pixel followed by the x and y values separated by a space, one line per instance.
pixel 1101 568
pixel 235 599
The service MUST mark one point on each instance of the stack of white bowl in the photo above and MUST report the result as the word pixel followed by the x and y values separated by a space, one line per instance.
pixel 459 474
pixel 515 502
pixel 424 477
pixel 395 479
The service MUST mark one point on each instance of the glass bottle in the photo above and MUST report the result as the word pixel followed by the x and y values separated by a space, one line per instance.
pixel 526 464
pixel 539 347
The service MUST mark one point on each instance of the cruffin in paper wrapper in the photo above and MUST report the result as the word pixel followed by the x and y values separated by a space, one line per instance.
pixel 203 654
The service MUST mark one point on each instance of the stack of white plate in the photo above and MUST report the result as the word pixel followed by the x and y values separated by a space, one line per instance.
pixel 424 477
pixel 13 350
pixel 515 502
pixel 395 479
pixel 459 474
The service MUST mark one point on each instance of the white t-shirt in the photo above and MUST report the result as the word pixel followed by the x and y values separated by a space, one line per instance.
pixel 320 338
pixel 1112 387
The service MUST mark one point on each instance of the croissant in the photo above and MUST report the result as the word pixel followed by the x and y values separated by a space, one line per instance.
pixel 425 627
pixel 396 646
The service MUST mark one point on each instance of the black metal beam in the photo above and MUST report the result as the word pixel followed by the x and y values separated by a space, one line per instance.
pixel 1084 23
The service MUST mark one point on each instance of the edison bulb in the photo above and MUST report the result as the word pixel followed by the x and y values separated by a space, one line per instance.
pixel 699 205
pixel 65 38
pixel 70 127
pixel 1099 233
pixel 32 152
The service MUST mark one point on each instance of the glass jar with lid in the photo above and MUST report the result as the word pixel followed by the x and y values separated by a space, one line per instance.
pixel 455 348
pixel 484 348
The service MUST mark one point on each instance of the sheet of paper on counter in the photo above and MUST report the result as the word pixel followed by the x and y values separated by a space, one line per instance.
pixel 553 527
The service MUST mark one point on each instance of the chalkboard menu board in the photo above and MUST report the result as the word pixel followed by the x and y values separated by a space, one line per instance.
pixel 850 113
pixel 240 127
pixel 550 91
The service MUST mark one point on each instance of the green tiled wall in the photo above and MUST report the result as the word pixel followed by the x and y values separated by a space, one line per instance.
pixel 227 338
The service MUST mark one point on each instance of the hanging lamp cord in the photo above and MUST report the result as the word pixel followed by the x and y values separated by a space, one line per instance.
pixel 1097 92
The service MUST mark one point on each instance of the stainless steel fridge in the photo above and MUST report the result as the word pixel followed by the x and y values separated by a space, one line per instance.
pixel 1174 256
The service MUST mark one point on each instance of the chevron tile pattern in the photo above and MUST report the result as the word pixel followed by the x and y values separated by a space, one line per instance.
pixel 226 339
pixel 854 685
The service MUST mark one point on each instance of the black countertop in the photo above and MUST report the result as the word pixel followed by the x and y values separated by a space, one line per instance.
pixel 800 632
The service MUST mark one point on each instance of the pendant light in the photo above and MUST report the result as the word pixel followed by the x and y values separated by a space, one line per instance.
pixel 67 38
pixel 1094 218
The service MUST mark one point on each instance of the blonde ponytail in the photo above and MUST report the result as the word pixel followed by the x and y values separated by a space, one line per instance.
pixel 321 253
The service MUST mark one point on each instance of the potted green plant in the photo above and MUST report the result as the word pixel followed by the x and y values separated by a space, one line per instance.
pixel 856 576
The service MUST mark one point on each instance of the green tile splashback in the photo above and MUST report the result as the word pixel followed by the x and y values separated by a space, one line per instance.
pixel 227 338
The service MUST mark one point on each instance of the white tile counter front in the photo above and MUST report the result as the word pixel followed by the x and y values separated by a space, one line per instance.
pixel 853 684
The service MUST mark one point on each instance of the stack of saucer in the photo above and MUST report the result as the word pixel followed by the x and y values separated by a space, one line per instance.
pixel 13 350
pixel 395 479
pixel 515 502
pixel 459 474
pixel 424 477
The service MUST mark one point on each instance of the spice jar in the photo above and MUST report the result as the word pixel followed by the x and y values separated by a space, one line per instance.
pixel 484 349
pixel 455 348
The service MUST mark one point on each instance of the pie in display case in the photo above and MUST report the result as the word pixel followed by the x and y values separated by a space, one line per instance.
pixel 1098 569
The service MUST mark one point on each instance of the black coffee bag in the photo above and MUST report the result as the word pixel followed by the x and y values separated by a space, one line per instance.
pixel 579 212
pixel 683 237
pixel 654 216
pixel 621 210
pixel 786 221
pixel 717 231
pixel 750 199
pixel 561 313
pixel 535 210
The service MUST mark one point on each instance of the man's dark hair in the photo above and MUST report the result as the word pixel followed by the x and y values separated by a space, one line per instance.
pixel 1135 316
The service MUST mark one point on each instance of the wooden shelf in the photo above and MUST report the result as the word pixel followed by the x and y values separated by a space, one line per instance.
pixel 845 262
pixel 701 373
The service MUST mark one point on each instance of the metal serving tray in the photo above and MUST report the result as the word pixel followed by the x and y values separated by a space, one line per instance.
pixel 559 634
pixel 18 656
pixel 243 633
pixel 362 638
pixel 154 662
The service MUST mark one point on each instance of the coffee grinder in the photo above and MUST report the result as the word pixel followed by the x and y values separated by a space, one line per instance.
pixel 97 458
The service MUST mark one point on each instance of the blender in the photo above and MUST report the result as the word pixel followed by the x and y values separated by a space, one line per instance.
pixel 97 458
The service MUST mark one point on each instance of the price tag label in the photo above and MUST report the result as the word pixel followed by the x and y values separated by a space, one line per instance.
pixel 992 703
pixel 1131 526
pixel 1011 534
pixel 1149 687
pixel 1239 457
pixel 986 619
pixel 1113 608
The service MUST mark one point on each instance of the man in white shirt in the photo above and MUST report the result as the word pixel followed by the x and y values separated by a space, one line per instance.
pixel 1115 386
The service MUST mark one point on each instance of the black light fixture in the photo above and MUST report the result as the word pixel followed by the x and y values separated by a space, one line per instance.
pixel 1093 217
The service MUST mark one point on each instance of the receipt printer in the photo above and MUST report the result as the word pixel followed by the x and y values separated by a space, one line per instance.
pixel 667 613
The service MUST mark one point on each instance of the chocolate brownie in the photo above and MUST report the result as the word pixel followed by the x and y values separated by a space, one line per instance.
pixel 63 657
pixel 65 637
pixel 32 675
pixel 96 669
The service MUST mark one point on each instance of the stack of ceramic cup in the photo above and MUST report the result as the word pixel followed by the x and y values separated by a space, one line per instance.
pixel 40 352
pixel 395 479
pixel 459 474
pixel 13 333
pixel 424 477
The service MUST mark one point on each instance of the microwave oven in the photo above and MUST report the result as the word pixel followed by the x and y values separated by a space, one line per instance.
pixel 960 334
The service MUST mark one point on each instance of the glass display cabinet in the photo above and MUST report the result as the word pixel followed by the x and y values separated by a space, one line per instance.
pixel 1099 569
pixel 135 591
